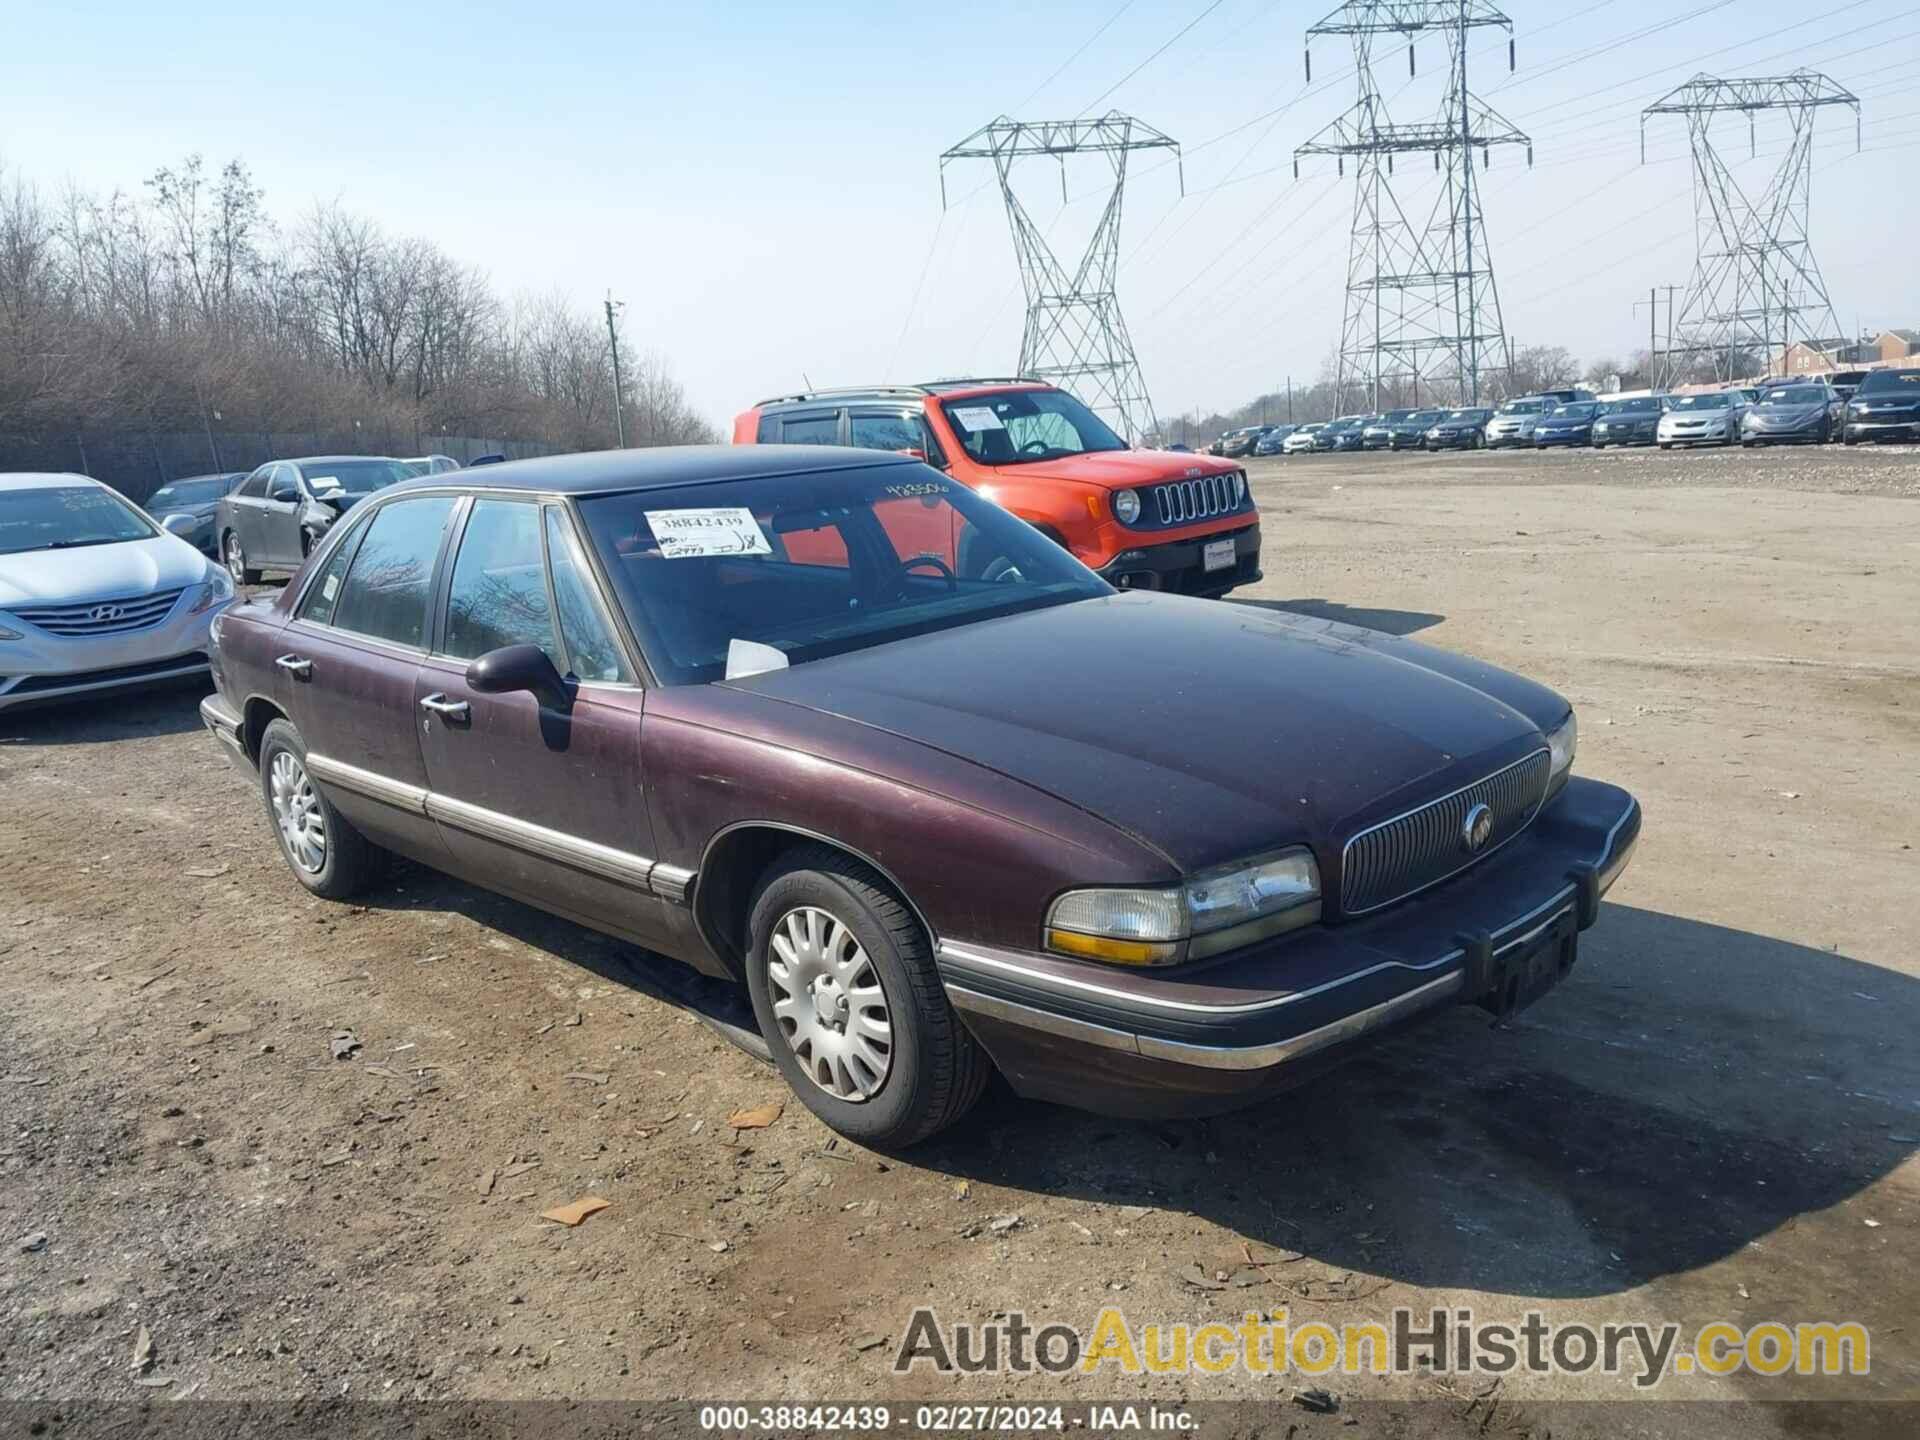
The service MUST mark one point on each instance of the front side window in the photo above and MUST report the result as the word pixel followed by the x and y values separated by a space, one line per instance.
pixel 498 596
pixel 817 564
pixel 1021 426
pixel 67 517
pixel 592 652
pixel 254 487
pixel 387 586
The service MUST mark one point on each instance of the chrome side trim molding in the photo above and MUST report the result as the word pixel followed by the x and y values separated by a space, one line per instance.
pixel 1211 1057
pixel 1348 1027
pixel 397 793
pixel 671 882
pixel 587 855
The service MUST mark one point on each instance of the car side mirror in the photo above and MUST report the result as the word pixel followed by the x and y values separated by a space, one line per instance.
pixel 519 667
pixel 178 524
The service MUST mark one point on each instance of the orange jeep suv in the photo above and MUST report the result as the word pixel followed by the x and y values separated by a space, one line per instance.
pixel 1144 519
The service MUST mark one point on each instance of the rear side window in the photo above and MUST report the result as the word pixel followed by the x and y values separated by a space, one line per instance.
pixel 811 429
pixel 499 592
pixel 317 604
pixel 388 582
pixel 255 485
pixel 892 431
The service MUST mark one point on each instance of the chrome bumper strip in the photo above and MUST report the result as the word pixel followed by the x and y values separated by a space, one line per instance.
pixel 398 793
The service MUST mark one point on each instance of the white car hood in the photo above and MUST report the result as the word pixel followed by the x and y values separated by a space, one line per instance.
pixel 99 572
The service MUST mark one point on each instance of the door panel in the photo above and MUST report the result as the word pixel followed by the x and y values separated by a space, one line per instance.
pixel 279 522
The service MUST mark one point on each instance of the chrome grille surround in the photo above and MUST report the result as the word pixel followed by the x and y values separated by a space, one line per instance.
pixel 101 617
pixel 1386 863
pixel 1183 501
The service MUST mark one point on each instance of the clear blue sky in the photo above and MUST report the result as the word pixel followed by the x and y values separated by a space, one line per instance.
pixel 759 182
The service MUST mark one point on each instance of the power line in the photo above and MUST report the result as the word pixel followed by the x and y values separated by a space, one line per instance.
pixel 1061 69
pixel 1166 46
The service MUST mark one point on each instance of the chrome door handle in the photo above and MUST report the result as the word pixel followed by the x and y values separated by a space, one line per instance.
pixel 446 709
pixel 295 665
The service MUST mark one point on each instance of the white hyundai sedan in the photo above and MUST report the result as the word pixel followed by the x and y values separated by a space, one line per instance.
pixel 93 595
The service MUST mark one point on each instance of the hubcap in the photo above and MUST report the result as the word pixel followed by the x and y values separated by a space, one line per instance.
pixel 236 558
pixel 829 1003
pixel 296 810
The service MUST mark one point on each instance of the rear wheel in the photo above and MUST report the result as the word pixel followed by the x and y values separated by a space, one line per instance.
pixel 236 557
pixel 324 851
pixel 845 991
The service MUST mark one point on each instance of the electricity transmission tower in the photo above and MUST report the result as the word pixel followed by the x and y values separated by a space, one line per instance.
pixel 1074 335
pixel 1421 301
pixel 1755 282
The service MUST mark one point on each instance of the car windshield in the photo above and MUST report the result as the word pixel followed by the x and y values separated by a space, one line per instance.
pixel 187 492
pixel 1882 381
pixel 1639 405
pixel 1795 395
pixel 1021 426
pixel 1523 407
pixel 355 477
pixel 64 517
pixel 1427 417
pixel 1581 411
pixel 793 568
pixel 1703 402
pixel 1466 415
pixel 1394 417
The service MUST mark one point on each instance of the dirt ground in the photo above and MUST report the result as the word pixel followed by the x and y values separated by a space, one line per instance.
pixel 1715 1118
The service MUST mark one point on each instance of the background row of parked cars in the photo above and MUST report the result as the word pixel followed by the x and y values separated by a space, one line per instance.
pixel 1885 405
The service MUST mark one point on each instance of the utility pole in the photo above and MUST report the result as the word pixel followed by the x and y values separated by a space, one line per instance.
pixel 613 339
pixel 1289 399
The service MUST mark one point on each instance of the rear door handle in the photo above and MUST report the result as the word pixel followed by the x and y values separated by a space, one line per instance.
pixel 447 709
pixel 297 666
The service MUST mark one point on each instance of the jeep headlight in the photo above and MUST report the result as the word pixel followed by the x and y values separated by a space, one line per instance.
pixel 1211 913
pixel 1126 506
pixel 1562 741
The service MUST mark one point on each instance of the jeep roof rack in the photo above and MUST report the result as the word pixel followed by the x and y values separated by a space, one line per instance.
pixel 892 392
pixel 937 387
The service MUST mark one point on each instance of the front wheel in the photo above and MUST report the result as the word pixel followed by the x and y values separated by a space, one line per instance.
pixel 844 988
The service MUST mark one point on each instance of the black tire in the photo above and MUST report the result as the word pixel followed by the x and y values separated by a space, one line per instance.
pixel 236 557
pixel 936 1070
pixel 1666 444
pixel 351 860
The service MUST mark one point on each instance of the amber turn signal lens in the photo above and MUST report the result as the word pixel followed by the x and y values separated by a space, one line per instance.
pixel 1114 952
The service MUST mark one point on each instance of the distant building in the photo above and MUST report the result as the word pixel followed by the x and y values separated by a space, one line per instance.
pixel 1821 357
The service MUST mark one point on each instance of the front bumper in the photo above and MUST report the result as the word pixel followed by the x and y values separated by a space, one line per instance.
pixel 1499 437
pixel 39 667
pixel 1715 435
pixel 1902 429
pixel 1544 438
pixel 1208 1039
pixel 1179 565
pixel 1462 440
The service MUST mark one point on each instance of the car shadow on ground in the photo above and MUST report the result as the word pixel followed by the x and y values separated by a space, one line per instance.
pixel 169 709
pixel 1393 622
pixel 1689 1090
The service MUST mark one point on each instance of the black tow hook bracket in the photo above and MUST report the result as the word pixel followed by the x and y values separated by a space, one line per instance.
pixel 1586 881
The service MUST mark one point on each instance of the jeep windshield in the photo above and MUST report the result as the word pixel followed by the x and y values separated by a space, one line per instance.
pixel 730 579
pixel 1018 427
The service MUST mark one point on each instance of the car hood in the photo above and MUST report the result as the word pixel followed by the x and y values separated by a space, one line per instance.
pixel 99 572
pixel 1120 469
pixel 202 511
pixel 1787 414
pixel 1208 730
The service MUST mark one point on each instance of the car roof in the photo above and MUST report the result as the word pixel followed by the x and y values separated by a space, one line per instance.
pixel 667 466
pixel 44 480
pixel 327 459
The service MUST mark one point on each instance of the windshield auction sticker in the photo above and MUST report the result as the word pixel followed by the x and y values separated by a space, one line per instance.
pixel 728 530
pixel 977 417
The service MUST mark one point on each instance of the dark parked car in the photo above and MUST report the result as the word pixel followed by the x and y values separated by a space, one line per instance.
pixel 275 516
pixel 1377 433
pixel 193 500
pixel 1459 430
pixel 913 882
pixel 1274 441
pixel 1633 421
pixel 1802 412
pixel 1239 444
pixel 1411 433
pixel 1566 425
pixel 1341 434
pixel 1885 407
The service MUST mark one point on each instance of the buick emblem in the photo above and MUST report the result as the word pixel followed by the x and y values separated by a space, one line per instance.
pixel 100 614
pixel 1476 829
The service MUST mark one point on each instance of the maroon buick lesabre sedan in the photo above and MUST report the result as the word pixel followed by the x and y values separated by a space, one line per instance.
pixel 828 724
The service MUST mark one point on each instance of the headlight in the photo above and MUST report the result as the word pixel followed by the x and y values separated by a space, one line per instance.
pixel 6 634
pixel 1126 506
pixel 1213 912
pixel 1561 743
pixel 218 587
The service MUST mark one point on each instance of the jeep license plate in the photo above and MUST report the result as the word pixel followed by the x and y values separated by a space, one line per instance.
pixel 1217 555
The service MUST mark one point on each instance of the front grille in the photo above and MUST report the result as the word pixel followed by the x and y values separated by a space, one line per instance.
pixel 1187 500
pixel 102 617
pixel 1398 857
